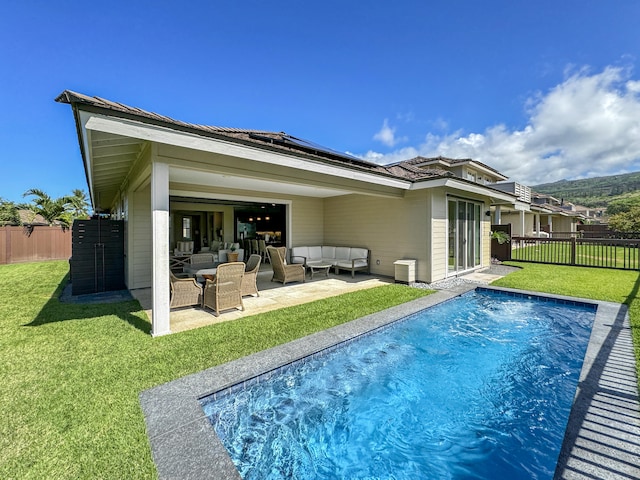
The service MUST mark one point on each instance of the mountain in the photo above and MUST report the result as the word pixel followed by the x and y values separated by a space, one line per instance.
pixel 594 192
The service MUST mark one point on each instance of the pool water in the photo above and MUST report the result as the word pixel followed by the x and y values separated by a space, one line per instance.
pixel 477 387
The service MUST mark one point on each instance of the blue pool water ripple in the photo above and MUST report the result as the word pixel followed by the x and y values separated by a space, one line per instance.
pixel 472 388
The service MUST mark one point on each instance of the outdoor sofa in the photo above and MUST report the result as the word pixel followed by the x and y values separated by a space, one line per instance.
pixel 340 258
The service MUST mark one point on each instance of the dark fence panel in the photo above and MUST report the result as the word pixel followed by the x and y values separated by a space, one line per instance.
pixel 499 251
pixel 585 252
pixel 97 264
pixel 34 243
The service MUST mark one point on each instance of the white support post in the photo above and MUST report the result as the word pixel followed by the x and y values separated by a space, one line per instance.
pixel 537 217
pixel 160 324
pixel 497 216
pixel 522 231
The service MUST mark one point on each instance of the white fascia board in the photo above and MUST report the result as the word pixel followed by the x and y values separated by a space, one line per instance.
pixel 472 188
pixel 86 144
pixel 154 133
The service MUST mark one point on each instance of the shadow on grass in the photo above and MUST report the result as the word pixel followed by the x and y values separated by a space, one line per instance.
pixel 55 311
pixel 603 433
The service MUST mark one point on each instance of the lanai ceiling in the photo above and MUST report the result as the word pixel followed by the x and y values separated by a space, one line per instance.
pixel 112 157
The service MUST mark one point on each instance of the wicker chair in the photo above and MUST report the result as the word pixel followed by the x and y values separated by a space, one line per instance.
pixel 262 250
pixel 225 291
pixel 201 258
pixel 281 271
pixel 185 292
pixel 250 278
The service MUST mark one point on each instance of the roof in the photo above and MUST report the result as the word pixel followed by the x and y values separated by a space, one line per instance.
pixel 266 139
pixel 410 170
pixel 449 162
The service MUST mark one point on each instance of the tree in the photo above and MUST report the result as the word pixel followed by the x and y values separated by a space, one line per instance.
pixel 79 204
pixel 51 210
pixel 628 221
pixel 8 213
pixel 623 205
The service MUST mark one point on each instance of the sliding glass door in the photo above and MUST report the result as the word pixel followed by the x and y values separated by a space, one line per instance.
pixel 464 225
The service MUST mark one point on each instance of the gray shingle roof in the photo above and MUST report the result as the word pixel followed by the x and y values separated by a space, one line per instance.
pixel 278 141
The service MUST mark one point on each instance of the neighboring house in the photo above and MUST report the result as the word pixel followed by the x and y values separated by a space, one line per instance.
pixel 535 213
pixel 170 180
pixel 28 217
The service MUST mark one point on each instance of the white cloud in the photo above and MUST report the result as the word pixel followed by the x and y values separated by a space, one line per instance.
pixel 589 125
pixel 387 135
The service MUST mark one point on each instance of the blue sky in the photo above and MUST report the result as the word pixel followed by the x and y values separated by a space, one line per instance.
pixel 540 90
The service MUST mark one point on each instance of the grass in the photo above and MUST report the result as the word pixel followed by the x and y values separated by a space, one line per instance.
pixel 590 254
pixel 70 374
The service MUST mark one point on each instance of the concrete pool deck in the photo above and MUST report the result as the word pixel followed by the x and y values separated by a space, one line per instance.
pixel 602 439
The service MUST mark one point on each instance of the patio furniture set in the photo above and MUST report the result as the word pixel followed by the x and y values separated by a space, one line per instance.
pixel 221 285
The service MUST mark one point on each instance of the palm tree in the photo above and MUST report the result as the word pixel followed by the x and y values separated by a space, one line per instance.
pixel 51 210
pixel 8 213
pixel 79 204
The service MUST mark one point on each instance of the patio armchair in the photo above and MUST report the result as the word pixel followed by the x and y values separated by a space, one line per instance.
pixel 185 292
pixel 250 278
pixel 281 271
pixel 201 258
pixel 225 291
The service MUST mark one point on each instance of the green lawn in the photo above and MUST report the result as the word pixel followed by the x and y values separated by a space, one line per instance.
pixel 70 375
pixel 592 255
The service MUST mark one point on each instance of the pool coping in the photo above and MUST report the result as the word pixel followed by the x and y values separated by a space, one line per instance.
pixel 602 436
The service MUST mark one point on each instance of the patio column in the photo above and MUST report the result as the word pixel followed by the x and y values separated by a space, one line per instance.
pixel 160 248
pixel 550 223
pixel 537 217
pixel 521 216
pixel 497 216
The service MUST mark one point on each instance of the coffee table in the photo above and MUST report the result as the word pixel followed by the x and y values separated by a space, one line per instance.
pixel 316 267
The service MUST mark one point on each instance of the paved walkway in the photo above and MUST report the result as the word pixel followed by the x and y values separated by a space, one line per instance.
pixel 273 295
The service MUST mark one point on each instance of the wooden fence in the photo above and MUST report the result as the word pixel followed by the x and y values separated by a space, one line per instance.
pixel 34 243
pixel 584 252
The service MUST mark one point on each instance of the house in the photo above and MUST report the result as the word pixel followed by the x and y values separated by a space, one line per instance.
pixel 170 180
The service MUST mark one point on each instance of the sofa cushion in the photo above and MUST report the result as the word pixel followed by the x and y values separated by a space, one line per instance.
pixel 357 252
pixel 342 253
pixel 315 253
pixel 299 252
pixel 328 252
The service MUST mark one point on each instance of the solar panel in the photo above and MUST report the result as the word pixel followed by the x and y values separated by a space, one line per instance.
pixel 294 142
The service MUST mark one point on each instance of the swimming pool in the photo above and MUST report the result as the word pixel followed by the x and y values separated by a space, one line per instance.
pixel 476 387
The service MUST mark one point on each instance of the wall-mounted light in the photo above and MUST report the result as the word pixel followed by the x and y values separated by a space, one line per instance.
pixel 488 213
pixel 267 218
pixel 259 219
pixel 251 219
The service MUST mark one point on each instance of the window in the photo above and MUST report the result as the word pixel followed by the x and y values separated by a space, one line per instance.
pixel 186 227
